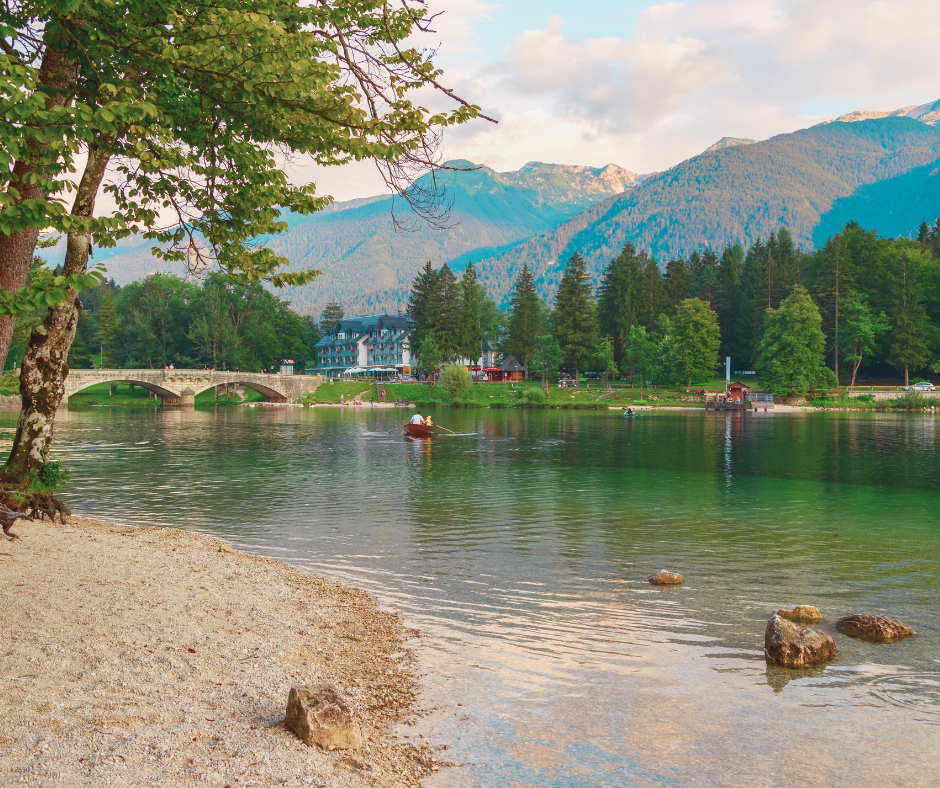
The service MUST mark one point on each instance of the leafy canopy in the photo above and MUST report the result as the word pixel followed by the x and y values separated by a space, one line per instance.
pixel 198 106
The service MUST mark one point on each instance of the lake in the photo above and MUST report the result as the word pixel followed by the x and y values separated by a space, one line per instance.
pixel 520 549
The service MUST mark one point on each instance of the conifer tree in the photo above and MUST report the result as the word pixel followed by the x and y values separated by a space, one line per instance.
pixel 677 284
pixel 471 339
pixel 909 346
pixel 619 298
pixel 331 315
pixel 729 272
pixel 448 316
pixel 923 236
pixel 575 315
pixel 108 328
pixel 524 314
pixel 422 300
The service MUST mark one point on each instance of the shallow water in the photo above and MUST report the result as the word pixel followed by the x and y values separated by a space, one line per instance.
pixel 520 548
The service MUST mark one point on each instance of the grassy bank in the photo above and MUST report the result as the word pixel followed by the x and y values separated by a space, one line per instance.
pixel 590 394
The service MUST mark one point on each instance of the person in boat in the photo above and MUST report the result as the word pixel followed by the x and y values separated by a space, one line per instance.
pixel 417 418
pixel 628 412
pixel 429 422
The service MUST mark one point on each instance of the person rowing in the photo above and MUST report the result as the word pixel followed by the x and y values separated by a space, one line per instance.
pixel 417 418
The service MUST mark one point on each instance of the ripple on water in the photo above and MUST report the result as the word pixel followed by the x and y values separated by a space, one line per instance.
pixel 520 551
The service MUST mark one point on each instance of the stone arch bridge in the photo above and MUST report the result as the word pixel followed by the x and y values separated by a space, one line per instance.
pixel 179 387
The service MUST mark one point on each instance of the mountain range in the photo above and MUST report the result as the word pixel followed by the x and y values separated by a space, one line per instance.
pixel 879 168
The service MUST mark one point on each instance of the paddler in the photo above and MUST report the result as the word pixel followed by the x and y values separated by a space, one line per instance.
pixel 417 419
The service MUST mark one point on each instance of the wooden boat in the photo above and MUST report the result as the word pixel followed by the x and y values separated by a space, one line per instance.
pixel 419 430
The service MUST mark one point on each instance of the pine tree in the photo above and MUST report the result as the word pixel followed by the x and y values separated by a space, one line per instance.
pixel 108 328
pixel 524 313
pixel 331 315
pixel 448 317
pixel 574 315
pixel 923 236
pixel 835 281
pixel 729 272
pixel 471 339
pixel 677 285
pixel 909 347
pixel 422 301
pixel 619 298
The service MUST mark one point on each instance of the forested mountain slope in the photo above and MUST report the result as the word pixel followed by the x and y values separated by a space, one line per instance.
pixel 883 172
pixel 368 263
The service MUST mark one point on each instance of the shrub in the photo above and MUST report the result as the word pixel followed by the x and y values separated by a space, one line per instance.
pixel 911 399
pixel 536 396
pixel 455 381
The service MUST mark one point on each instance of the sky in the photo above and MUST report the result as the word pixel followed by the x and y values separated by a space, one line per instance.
pixel 646 85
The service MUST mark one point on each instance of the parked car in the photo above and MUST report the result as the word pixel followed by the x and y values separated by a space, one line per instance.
pixel 924 385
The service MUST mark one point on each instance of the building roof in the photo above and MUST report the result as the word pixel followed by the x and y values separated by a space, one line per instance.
pixel 739 383
pixel 511 365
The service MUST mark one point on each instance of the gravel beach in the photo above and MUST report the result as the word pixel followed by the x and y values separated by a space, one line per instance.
pixel 145 656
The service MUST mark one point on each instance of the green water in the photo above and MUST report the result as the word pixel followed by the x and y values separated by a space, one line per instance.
pixel 519 548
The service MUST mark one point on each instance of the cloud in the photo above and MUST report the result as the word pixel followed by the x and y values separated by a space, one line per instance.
pixel 690 73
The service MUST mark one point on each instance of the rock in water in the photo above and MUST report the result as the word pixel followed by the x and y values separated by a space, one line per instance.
pixel 319 715
pixel 877 629
pixel 793 646
pixel 802 614
pixel 664 578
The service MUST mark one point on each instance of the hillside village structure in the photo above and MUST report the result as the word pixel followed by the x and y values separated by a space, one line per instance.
pixel 370 342
pixel 374 343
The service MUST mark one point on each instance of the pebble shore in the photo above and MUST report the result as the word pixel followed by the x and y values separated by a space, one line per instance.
pixel 146 656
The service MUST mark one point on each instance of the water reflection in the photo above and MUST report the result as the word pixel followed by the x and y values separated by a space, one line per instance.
pixel 520 548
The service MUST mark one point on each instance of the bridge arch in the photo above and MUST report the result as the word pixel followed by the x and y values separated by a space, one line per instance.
pixel 73 386
pixel 267 391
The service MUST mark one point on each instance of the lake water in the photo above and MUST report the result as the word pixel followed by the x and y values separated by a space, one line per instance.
pixel 520 549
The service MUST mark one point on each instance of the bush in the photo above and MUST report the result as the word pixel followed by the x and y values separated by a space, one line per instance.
pixel 536 396
pixel 911 399
pixel 455 381
pixel 9 383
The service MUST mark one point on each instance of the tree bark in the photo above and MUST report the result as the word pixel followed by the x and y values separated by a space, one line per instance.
pixel 45 365
pixel 17 248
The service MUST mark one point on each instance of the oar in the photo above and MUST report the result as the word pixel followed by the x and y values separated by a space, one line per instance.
pixel 401 426
pixel 445 428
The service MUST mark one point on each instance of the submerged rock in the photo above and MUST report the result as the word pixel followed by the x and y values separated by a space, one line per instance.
pixel 802 614
pixel 318 714
pixel 877 629
pixel 664 578
pixel 795 646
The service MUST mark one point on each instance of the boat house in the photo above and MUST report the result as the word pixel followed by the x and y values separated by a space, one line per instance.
pixel 739 396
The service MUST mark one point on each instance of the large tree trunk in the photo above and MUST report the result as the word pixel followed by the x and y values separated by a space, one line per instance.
pixel 17 248
pixel 45 366
pixel 907 378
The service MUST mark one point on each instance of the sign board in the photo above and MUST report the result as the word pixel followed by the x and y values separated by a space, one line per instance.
pixel 287 369
pixel 406 370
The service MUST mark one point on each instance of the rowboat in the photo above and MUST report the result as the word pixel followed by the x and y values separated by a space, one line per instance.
pixel 419 430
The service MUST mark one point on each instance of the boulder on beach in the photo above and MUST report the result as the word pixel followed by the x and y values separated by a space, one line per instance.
pixel 664 578
pixel 877 629
pixel 318 714
pixel 795 646
pixel 802 614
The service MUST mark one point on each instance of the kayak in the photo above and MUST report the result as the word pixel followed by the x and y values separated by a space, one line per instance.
pixel 419 430
pixel 630 415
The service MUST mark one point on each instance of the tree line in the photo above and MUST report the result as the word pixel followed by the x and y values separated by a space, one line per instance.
pixel 800 319
pixel 164 319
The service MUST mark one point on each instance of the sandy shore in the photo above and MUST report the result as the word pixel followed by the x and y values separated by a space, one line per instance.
pixel 139 656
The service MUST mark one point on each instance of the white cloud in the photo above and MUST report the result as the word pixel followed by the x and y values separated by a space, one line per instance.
pixel 688 74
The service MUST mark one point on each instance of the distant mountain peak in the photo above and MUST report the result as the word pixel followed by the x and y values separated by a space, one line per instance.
pixel 928 113
pixel 729 142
